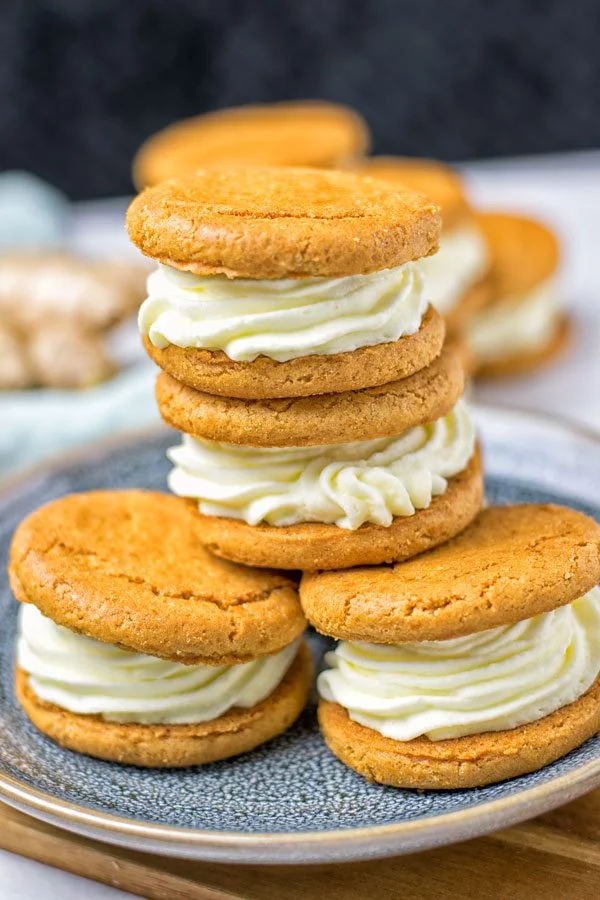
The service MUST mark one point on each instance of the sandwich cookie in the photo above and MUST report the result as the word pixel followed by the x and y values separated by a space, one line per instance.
pixel 303 133
pixel 137 646
pixel 286 282
pixel 524 326
pixel 475 662
pixel 334 505
pixel 456 276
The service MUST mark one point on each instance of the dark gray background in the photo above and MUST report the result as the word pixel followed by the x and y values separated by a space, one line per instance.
pixel 82 82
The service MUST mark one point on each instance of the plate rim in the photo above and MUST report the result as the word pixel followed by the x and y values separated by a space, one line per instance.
pixel 364 842
pixel 285 848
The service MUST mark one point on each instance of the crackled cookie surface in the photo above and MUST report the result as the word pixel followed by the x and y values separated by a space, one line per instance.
pixel 129 568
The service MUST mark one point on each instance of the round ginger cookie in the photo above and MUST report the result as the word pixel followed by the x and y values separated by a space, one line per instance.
pixel 465 762
pixel 311 546
pixel 526 361
pixel 510 564
pixel 279 223
pixel 129 568
pixel 300 133
pixel 215 373
pixel 425 176
pixel 174 746
pixel 374 412
pixel 524 253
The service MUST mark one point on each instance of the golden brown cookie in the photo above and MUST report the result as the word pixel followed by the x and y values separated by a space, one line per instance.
pixel 425 176
pixel 529 360
pixel 326 419
pixel 301 133
pixel 524 253
pixel 512 563
pixel 128 568
pixel 279 223
pixel 174 746
pixel 312 546
pixel 464 762
pixel 214 373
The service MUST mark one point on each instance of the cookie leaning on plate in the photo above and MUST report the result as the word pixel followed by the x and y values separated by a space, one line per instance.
pixel 285 282
pixel 474 662
pixel 457 275
pixel 136 645
pixel 524 326
pixel 301 133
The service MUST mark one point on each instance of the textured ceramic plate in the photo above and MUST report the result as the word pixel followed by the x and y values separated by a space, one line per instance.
pixel 289 801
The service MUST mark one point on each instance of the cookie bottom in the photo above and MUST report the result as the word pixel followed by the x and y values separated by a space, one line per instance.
pixel 311 546
pixel 213 372
pixel 174 746
pixel 466 762
pixel 529 361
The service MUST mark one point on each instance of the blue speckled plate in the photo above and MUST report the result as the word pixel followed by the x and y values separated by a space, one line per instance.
pixel 289 801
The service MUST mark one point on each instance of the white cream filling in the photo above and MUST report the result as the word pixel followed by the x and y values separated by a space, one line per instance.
pixel 283 318
pixel 491 681
pixel 461 261
pixel 87 677
pixel 344 484
pixel 515 324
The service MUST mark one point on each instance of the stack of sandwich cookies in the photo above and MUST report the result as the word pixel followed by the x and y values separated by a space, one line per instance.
pixel 137 646
pixel 322 421
pixel 472 663
pixel 524 326
pixel 304 133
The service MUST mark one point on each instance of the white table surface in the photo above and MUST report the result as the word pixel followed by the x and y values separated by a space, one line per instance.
pixel 565 191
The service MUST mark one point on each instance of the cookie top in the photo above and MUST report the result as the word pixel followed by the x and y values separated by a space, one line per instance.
pixel 267 222
pixel 128 568
pixel 304 133
pixel 512 563
pixel 323 419
pixel 425 176
pixel 524 253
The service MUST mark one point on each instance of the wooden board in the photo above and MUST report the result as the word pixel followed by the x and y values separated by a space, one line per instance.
pixel 555 856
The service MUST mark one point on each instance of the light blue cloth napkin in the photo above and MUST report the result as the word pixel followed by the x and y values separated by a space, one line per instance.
pixel 42 423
